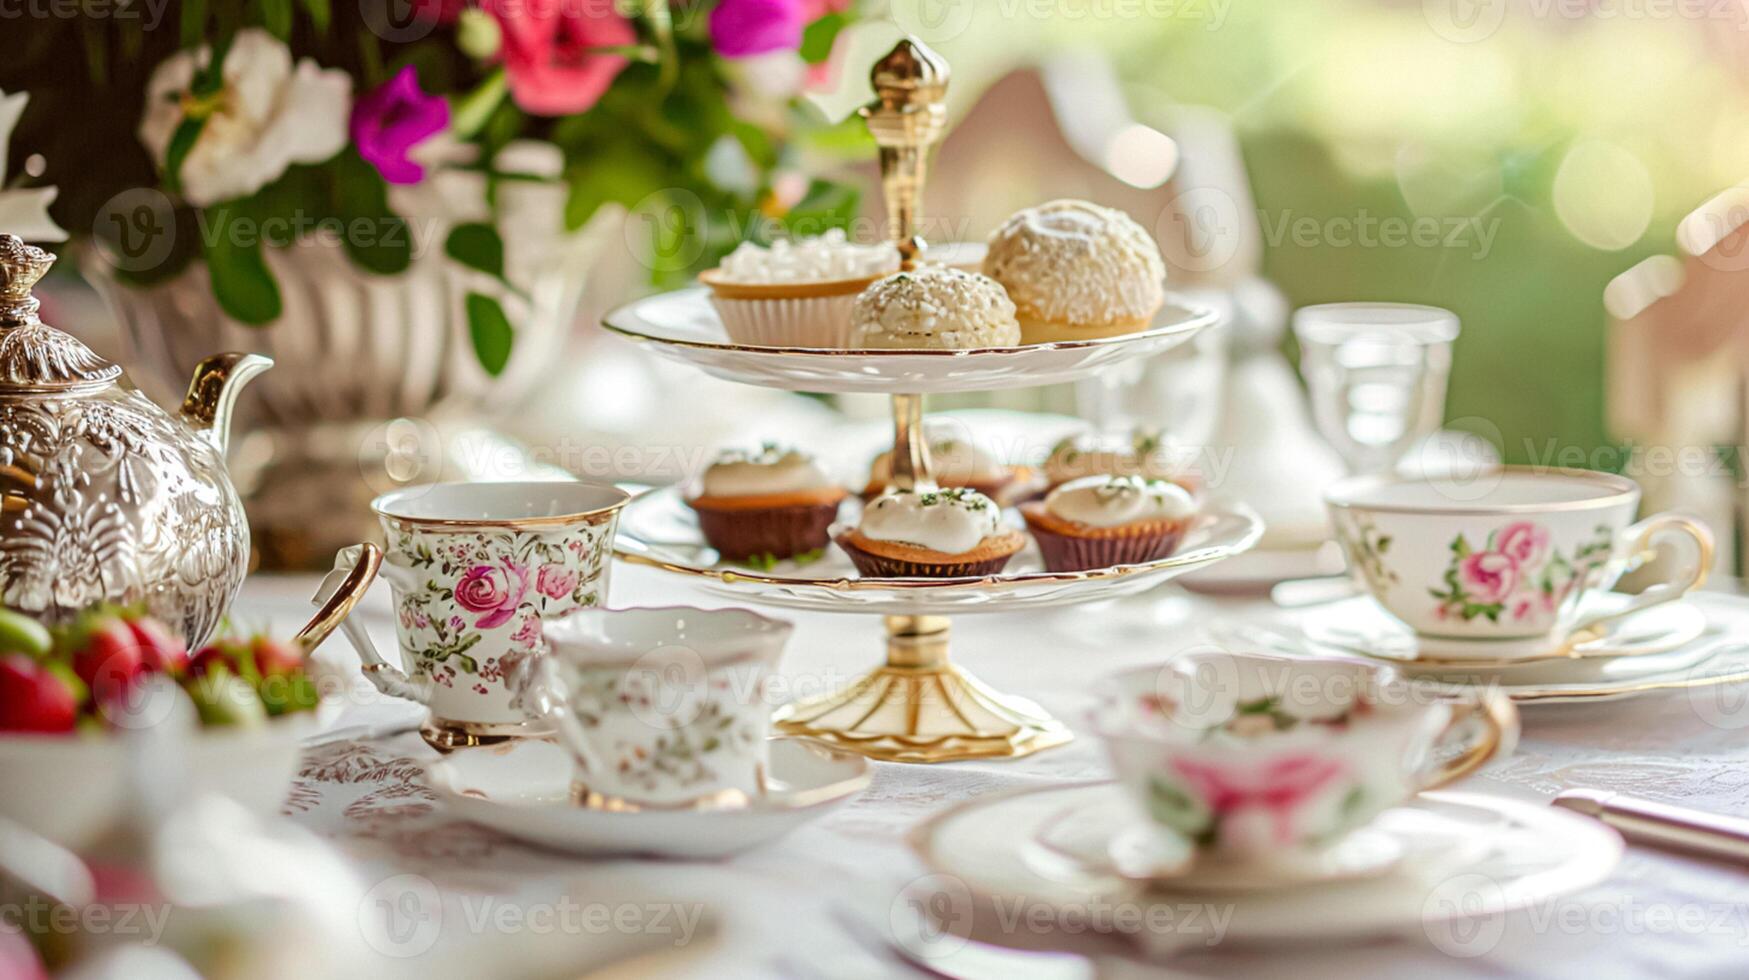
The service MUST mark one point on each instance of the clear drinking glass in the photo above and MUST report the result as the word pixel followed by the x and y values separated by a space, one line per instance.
pixel 1376 374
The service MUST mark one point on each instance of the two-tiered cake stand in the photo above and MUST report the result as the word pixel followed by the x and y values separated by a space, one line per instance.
pixel 918 706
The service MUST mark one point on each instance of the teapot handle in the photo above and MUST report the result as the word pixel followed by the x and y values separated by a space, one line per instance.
pixel 354 569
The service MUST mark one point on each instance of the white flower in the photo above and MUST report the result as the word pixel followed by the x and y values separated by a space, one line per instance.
pixel 268 117
pixel 24 213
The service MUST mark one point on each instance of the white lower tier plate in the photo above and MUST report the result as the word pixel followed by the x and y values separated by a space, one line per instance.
pixel 682 326
pixel 659 530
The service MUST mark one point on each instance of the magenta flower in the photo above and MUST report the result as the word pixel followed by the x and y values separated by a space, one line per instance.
pixel 527 635
pixel 555 581
pixel 1488 576
pixel 1524 542
pixel 389 122
pixel 744 28
pixel 493 591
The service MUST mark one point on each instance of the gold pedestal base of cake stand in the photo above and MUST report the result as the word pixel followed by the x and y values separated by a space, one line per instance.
pixel 921 708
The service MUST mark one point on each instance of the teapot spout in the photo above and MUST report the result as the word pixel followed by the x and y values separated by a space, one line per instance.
pixel 213 393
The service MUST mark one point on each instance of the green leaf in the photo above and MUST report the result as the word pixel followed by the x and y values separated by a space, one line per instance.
pixel 818 37
pixel 242 283
pixel 376 238
pixel 470 112
pixel 321 14
pixel 477 246
pixel 181 142
pixel 490 331
pixel 193 22
pixel 276 16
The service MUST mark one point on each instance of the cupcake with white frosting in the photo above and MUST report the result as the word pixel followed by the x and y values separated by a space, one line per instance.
pixel 1077 271
pixel 1100 521
pixel 795 293
pixel 933 307
pixel 957 461
pixel 931 534
pixel 1145 452
pixel 766 506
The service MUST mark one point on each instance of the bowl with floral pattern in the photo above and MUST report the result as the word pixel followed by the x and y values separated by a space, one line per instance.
pixel 1258 760
pixel 1510 554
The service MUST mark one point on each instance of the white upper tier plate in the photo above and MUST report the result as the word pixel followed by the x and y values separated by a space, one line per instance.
pixel 682 326
pixel 658 529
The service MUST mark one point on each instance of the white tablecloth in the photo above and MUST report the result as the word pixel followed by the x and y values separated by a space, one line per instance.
pixel 780 909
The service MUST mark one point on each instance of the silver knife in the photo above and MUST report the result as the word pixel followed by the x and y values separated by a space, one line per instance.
pixel 1663 825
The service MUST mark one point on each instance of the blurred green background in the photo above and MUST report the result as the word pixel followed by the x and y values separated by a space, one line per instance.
pixel 1576 135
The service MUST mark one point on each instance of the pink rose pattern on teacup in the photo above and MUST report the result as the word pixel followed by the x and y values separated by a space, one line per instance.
pixel 1515 574
pixel 474 583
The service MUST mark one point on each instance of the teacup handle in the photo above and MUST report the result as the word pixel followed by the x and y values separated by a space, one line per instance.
pixel 542 696
pixel 348 564
pixel 1637 544
pixel 1500 720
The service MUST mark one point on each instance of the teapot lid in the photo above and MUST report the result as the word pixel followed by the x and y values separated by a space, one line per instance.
pixel 33 355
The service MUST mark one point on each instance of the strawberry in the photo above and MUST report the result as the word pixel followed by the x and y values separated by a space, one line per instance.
pixel 275 658
pixel 206 658
pixel 33 698
pixel 160 649
pixel 109 659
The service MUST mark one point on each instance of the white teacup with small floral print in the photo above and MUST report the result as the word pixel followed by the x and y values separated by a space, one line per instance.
pixel 1511 554
pixel 661 708
pixel 476 568
pixel 1252 758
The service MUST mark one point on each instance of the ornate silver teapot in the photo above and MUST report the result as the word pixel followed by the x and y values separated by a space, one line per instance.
pixel 104 496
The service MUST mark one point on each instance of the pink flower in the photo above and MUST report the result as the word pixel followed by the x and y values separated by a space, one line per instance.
pixel 390 121
pixel 744 28
pixel 1275 790
pixel 1525 606
pixel 527 634
pixel 1488 576
pixel 1524 542
pixel 494 591
pixel 555 581
pixel 551 51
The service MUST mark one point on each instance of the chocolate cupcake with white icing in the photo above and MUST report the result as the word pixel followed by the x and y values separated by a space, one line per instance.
pixel 1077 271
pixel 956 461
pixel 931 534
pixel 1100 521
pixel 933 308
pixel 766 506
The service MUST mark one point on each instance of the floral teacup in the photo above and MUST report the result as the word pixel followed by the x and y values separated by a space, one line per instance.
pixel 1509 555
pixel 1256 760
pixel 475 569
pixel 661 708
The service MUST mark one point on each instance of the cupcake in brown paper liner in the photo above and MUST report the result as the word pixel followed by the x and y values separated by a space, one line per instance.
pixel 763 507
pixel 929 533
pixel 1100 521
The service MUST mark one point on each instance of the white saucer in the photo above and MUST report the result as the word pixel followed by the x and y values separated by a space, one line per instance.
pixel 1112 840
pixel 1359 625
pixel 1525 854
pixel 523 789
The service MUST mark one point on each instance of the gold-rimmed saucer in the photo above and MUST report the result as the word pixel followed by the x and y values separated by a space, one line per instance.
pixel 525 790
pixel 1356 625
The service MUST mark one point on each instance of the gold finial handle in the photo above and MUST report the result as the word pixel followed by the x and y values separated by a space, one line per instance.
pixel 907 117
pixel 21 266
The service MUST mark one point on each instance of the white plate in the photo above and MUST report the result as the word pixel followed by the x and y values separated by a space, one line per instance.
pixel 682 326
pixel 523 789
pixel 1528 854
pixel 658 529
pixel 1359 625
